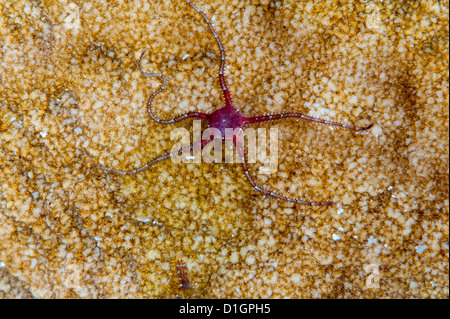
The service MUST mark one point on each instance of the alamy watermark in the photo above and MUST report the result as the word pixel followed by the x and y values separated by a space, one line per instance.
pixel 373 278
pixel 253 144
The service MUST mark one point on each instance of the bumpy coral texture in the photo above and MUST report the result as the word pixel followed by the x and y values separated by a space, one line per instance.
pixel 71 92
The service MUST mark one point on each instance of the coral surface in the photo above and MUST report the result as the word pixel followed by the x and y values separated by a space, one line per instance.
pixel 71 93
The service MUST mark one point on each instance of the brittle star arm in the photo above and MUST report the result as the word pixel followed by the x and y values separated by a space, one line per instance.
pixel 199 115
pixel 222 80
pixel 241 151
pixel 273 117
pixel 154 161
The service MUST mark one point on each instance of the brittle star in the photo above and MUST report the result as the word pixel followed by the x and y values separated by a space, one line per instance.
pixel 225 117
